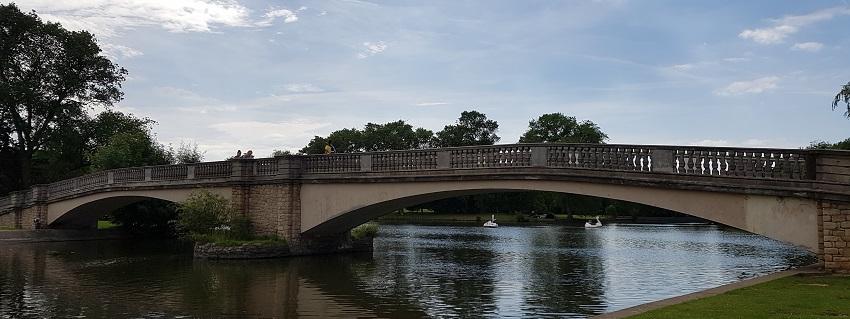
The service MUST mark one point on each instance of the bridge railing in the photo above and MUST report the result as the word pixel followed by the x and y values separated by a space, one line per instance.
pixel 721 162
pixel 761 163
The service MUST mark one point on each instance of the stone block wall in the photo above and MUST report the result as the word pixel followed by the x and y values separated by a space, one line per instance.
pixel 29 213
pixel 834 231
pixel 9 219
pixel 274 209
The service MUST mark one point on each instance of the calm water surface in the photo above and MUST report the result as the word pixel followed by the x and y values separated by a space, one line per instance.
pixel 415 271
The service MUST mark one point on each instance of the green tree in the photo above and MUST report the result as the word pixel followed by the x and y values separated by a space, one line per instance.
pixel 315 146
pixel 131 149
pixel 188 153
pixel 472 128
pixel 396 135
pixel 348 140
pixel 276 153
pixel 843 95
pixel 558 128
pixel 49 76
pixel 148 217
pixel 843 145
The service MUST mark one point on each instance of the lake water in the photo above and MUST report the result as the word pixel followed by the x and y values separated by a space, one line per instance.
pixel 414 271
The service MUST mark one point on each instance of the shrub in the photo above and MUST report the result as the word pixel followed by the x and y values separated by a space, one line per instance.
pixel 240 227
pixel 202 212
pixel 365 230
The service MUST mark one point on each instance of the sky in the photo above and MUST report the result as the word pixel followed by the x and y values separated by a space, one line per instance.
pixel 265 75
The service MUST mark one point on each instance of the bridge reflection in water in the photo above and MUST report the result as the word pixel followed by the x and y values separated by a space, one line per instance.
pixel 415 271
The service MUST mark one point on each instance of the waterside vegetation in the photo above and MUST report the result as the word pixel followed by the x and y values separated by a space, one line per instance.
pixel 205 217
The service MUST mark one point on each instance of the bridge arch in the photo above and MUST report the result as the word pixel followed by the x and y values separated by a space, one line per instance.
pixel 84 211
pixel 329 208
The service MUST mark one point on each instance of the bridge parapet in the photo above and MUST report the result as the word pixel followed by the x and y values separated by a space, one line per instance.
pixel 759 166
pixel 685 160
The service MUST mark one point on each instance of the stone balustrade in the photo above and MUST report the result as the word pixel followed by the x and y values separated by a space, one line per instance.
pixel 721 162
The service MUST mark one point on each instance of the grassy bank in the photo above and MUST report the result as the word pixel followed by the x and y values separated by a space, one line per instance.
pixel 821 296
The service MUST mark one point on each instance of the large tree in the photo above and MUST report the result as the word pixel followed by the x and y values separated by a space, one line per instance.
pixel 131 149
pixel 396 135
pixel 49 76
pixel 559 128
pixel 843 96
pixel 472 128
pixel 373 137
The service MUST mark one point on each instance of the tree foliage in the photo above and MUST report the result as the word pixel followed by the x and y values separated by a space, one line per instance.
pixel 472 128
pixel 843 96
pixel 131 149
pixel 396 135
pixel 188 153
pixel 202 212
pixel 822 145
pixel 49 76
pixel 558 128
pixel 149 217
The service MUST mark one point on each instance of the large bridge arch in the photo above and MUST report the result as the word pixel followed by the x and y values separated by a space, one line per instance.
pixel 83 211
pixel 329 208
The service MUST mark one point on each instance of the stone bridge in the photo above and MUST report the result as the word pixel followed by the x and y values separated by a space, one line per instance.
pixel 797 196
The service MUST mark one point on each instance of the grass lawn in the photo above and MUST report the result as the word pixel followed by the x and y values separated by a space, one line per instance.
pixel 790 297
pixel 105 224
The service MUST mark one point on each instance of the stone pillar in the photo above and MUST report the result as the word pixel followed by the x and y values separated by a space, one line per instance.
pixel 366 163
pixel 444 160
pixel 539 156
pixel 834 234
pixel 662 161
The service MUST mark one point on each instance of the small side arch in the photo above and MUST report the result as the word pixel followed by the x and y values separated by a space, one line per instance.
pixel 84 211
pixel 334 208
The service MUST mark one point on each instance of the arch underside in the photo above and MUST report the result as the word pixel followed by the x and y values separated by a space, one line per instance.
pixel 84 211
pixel 337 207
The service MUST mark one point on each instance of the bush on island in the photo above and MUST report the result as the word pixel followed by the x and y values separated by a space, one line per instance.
pixel 209 218
pixel 364 231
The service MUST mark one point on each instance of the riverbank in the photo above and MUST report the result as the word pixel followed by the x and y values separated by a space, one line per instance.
pixel 802 293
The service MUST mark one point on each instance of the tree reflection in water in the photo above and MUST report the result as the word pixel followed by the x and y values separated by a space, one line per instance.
pixel 415 271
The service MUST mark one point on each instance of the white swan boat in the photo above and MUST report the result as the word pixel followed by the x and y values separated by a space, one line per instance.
pixel 492 222
pixel 597 224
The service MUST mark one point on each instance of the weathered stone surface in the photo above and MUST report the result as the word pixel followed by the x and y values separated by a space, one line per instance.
pixel 245 251
pixel 835 236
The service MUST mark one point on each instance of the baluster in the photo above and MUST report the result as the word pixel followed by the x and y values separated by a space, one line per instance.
pixel 692 162
pixel 781 169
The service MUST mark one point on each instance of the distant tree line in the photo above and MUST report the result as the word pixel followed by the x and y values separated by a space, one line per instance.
pixel 474 128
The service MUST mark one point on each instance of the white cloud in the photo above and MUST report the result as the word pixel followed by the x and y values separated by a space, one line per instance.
pixel 107 18
pixel 788 25
pixel 372 48
pixel 114 51
pixel 736 59
pixel 807 46
pixel 287 15
pixel 263 137
pixel 744 87
pixel 751 142
pixel 683 67
pixel 303 88
pixel 709 142
pixel 432 103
